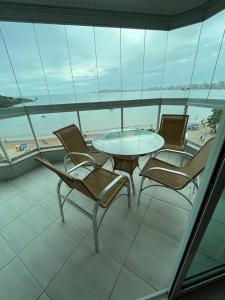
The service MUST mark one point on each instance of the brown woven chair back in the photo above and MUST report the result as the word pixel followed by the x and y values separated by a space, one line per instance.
pixel 196 165
pixel 173 128
pixel 72 141
pixel 72 182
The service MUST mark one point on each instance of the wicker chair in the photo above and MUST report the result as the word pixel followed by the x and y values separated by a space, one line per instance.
pixel 174 177
pixel 73 141
pixel 100 185
pixel 172 129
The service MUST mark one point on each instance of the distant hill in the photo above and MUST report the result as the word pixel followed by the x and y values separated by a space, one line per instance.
pixel 11 101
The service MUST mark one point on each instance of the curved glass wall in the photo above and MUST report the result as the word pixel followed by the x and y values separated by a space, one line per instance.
pixel 69 64
pixel 16 136
pixel 47 64
pixel 111 118
pixel 209 259
pixel 45 124
pixel 144 117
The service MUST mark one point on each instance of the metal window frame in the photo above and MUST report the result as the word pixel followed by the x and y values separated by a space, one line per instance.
pixel 86 106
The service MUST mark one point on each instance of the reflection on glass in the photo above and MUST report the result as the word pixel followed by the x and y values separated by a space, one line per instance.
pixel 22 48
pixel 180 55
pixel 83 60
pixel 17 136
pixel 210 256
pixel 199 129
pixel 132 51
pixel 108 62
pixel 155 44
pixel 45 124
pixel 210 40
pixel 95 122
pixel 140 117
pixel 2 157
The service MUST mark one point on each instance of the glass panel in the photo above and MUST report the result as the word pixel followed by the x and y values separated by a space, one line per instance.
pixel 22 48
pixel 45 124
pixel 140 117
pixel 54 53
pixel 8 85
pixel 17 136
pixel 210 40
pixel 180 55
pixel 83 60
pixel 210 258
pixel 172 109
pixel 202 124
pixel 96 122
pixel 132 51
pixel 108 55
pixel 153 63
pixel 217 90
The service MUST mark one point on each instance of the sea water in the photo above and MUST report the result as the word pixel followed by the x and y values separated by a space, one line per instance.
pixel 18 128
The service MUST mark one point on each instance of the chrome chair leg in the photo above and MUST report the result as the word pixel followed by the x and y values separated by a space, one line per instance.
pixel 128 194
pixel 132 183
pixel 95 226
pixel 139 195
pixel 60 201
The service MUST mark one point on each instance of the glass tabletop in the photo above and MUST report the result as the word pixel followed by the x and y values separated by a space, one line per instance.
pixel 128 142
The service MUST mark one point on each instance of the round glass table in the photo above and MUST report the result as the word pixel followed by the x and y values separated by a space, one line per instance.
pixel 126 146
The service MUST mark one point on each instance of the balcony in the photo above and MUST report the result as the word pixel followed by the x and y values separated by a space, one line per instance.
pixel 42 256
pixel 126 81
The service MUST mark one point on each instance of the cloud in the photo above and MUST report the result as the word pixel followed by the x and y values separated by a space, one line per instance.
pixel 85 42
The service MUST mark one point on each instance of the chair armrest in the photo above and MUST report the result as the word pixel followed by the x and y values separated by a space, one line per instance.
pixel 172 172
pixel 77 166
pixel 110 185
pixel 173 151
pixel 85 155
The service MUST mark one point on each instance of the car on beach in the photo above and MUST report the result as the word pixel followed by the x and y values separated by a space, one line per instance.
pixel 192 126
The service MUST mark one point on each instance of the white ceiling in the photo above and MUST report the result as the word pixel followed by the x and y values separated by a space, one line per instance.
pixel 156 14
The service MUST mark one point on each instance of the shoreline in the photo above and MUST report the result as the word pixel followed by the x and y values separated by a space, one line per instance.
pixel 199 136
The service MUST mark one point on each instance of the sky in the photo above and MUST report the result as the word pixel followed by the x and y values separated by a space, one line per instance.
pixel 63 59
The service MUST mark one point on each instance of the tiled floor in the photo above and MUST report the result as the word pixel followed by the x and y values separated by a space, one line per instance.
pixel 41 258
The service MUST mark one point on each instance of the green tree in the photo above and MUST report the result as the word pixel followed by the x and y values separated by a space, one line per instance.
pixel 215 117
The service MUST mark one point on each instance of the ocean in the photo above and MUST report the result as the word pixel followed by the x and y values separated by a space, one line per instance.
pixel 93 121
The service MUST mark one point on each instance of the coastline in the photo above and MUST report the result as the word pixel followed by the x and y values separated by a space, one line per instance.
pixel 199 136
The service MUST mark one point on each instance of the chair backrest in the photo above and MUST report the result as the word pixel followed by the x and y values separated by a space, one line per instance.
pixel 73 183
pixel 72 141
pixel 197 164
pixel 173 128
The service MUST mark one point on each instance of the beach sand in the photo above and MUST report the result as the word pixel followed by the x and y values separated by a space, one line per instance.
pixel 199 136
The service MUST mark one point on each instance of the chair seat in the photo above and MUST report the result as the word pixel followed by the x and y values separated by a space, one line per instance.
pixel 99 157
pixel 171 180
pixel 174 146
pixel 98 179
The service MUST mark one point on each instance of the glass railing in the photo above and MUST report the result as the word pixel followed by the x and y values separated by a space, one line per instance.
pixel 33 130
